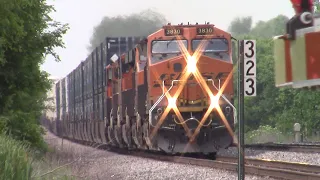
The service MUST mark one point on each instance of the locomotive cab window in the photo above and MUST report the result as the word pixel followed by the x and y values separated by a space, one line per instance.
pixel 234 54
pixel 165 49
pixel 142 57
pixel 216 48
pixel 142 64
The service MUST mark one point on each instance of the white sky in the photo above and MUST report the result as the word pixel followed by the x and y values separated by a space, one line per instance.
pixel 83 15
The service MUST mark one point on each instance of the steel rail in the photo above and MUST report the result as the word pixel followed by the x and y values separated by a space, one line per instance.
pixel 303 167
pixel 260 167
pixel 306 148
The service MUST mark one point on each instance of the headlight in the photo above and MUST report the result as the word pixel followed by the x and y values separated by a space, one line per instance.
pixel 214 101
pixel 172 102
pixel 191 64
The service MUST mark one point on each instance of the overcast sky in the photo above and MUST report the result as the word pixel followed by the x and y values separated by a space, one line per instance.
pixel 83 15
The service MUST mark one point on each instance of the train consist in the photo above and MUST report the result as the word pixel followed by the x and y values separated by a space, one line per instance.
pixel 171 91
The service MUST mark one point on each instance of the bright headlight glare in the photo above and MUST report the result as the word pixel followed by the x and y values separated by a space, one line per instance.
pixel 214 101
pixel 192 64
pixel 172 102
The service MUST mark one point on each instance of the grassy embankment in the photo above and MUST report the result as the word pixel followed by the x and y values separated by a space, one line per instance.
pixel 19 162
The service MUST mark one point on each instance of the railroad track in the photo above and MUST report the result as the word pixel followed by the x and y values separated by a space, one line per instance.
pixel 278 169
pixel 260 167
pixel 308 148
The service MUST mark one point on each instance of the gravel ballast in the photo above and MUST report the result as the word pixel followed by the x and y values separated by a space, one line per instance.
pixel 90 163
pixel 300 157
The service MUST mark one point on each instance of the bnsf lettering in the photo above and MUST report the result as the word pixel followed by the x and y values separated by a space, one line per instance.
pixel 167 78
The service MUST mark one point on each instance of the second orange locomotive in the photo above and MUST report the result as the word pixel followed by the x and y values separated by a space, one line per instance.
pixel 173 92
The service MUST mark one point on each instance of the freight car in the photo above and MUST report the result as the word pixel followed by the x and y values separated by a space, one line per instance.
pixel 171 91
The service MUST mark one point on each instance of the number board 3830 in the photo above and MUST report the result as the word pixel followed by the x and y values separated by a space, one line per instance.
pixel 250 68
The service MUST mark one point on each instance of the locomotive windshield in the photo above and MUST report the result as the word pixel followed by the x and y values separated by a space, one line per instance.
pixel 215 48
pixel 165 49
pixel 170 46
pixel 211 45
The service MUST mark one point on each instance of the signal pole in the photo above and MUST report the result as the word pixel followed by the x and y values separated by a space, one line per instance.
pixel 247 87
pixel 241 172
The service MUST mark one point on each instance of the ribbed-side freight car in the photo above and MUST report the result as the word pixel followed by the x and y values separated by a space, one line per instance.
pixel 62 105
pixel 70 106
pixel 99 95
pixel 66 108
pixel 79 116
pixel 58 98
pixel 87 78
pixel 96 94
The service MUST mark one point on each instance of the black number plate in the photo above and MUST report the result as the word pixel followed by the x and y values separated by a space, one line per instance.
pixel 204 30
pixel 173 32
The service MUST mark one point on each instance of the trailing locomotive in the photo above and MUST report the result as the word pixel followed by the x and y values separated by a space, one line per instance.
pixel 171 91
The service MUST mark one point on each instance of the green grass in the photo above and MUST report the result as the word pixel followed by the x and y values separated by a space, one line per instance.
pixel 266 134
pixel 17 162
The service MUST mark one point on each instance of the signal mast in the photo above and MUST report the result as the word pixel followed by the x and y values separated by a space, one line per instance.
pixel 296 54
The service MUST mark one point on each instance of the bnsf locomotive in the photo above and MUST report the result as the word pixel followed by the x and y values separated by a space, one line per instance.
pixel 171 91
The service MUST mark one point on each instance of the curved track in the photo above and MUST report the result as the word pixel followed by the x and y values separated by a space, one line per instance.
pixel 275 169
pixel 261 167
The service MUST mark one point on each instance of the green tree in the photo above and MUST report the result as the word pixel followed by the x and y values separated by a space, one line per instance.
pixel 259 109
pixel 28 35
pixel 268 29
pixel 140 24
pixel 317 6
pixel 303 107
pixel 240 26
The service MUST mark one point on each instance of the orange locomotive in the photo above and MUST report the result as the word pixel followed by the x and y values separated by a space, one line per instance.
pixel 173 92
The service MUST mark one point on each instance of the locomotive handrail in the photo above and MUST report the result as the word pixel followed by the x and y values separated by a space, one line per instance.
pixel 224 97
pixel 158 101
pixel 164 93
pixel 162 86
pixel 195 119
